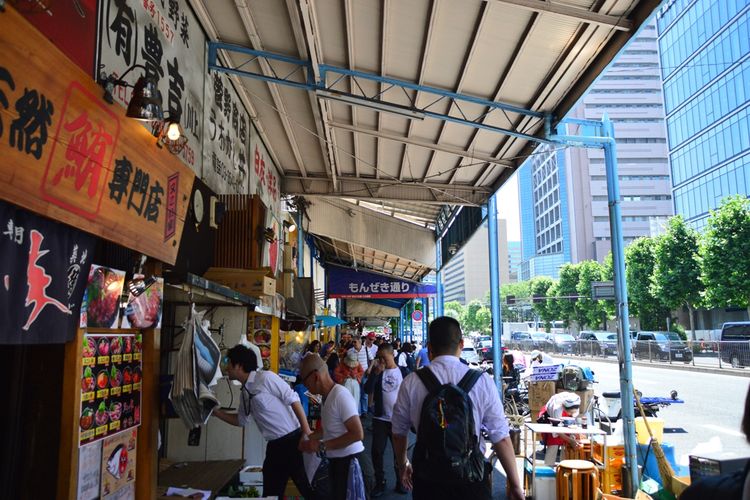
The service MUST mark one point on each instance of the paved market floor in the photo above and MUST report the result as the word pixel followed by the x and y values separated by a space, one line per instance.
pixel 498 479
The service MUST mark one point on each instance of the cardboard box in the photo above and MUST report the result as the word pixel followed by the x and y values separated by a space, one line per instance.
pixel 250 282
pixel 539 394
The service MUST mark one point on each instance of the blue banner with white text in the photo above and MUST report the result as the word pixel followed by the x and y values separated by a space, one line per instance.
pixel 345 283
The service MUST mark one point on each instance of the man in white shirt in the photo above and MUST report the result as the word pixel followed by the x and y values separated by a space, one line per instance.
pixel 383 384
pixel 445 347
pixel 342 435
pixel 277 410
pixel 364 358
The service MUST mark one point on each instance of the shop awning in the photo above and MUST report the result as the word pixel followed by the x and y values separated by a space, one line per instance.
pixel 328 321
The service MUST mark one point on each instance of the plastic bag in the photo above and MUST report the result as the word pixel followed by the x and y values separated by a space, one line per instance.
pixel 355 485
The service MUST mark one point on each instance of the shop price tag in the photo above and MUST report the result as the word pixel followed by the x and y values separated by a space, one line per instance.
pixel 127 357
pixel 137 386
pixel 113 426
pixel 117 358
pixel 88 396
pixel 89 361
pixel 102 393
pixel 127 388
pixel 137 356
pixel 101 431
pixel 115 391
pixel 102 360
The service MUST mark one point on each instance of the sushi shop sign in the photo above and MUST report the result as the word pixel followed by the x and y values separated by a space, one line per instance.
pixel 69 155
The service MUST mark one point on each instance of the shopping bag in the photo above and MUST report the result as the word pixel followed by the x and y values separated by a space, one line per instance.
pixel 355 485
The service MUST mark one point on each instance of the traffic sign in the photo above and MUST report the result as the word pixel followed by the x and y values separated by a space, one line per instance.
pixel 416 315
pixel 602 290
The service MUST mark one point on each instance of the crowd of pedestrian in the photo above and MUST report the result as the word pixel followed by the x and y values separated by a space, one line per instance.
pixel 369 379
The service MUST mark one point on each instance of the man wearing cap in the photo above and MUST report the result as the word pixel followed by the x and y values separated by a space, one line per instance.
pixel 445 346
pixel 277 410
pixel 342 435
pixel 562 404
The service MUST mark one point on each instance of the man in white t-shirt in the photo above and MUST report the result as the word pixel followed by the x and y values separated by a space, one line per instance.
pixel 383 384
pixel 364 357
pixel 342 435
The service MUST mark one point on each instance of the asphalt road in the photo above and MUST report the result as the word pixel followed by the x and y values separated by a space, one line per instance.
pixel 711 414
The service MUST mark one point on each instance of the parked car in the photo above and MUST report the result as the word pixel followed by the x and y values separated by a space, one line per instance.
pixel 520 340
pixel 735 343
pixel 540 341
pixel 469 354
pixel 663 346
pixel 597 343
pixel 485 349
pixel 562 343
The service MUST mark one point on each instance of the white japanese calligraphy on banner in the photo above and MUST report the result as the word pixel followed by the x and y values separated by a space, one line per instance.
pixel 225 141
pixel 264 177
pixel 164 37
pixel 382 287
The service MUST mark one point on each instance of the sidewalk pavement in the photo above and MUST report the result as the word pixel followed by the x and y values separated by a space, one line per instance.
pixel 498 477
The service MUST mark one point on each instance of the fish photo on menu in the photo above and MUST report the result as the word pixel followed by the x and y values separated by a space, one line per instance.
pixel 102 297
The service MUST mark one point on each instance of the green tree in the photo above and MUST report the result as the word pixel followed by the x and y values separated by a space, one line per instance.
pixel 677 271
pixel 484 320
pixel 566 293
pixel 454 309
pixel 520 291
pixel 639 270
pixel 726 254
pixel 539 287
pixel 593 312
pixel 469 322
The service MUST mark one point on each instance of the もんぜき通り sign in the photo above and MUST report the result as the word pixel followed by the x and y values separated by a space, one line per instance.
pixel 70 156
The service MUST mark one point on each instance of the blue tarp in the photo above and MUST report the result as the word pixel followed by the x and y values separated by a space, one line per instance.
pixel 329 320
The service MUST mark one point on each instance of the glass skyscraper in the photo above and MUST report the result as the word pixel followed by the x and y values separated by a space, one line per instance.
pixel 705 56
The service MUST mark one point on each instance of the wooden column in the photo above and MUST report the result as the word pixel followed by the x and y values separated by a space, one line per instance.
pixel 67 471
pixel 147 465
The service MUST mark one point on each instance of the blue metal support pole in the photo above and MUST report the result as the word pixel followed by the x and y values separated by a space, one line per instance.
pixel 497 323
pixel 425 307
pixel 439 278
pixel 621 302
pixel 300 247
pixel 401 324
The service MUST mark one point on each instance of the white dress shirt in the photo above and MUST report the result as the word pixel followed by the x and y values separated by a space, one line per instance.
pixel 269 403
pixel 338 407
pixel 485 399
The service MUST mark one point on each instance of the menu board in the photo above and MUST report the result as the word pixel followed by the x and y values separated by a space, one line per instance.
pixel 110 385
pixel 259 333
pixel 118 465
pixel 101 300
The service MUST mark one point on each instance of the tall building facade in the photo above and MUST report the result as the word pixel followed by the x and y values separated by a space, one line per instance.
pixel 575 227
pixel 514 259
pixel 467 274
pixel 705 55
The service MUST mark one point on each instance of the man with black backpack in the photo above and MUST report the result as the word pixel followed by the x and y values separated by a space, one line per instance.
pixel 448 404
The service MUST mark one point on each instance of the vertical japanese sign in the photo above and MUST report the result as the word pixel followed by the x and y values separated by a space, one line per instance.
pixel 225 138
pixel 68 154
pixel 42 277
pixel 264 176
pixel 164 36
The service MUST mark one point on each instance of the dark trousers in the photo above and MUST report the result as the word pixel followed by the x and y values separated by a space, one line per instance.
pixel 427 489
pixel 381 435
pixel 284 460
pixel 338 473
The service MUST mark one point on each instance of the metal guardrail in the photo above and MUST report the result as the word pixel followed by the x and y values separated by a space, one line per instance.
pixel 709 354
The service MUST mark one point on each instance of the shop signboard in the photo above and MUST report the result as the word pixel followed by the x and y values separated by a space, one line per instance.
pixel 70 156
pixel 166 38
pixel 226 137
pixel 43 273
pixel 264 176
pixel 111 381
pixel 118 465
pixel 345 283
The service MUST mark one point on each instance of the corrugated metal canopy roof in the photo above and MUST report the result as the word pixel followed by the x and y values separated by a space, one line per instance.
pixel 539 55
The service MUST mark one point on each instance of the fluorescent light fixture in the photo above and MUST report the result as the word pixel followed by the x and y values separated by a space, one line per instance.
pixel 372 104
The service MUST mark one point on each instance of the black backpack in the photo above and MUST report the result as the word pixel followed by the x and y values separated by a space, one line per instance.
pixel 447 449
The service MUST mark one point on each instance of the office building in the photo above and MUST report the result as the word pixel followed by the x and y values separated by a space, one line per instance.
pixel 514 259
pixel 563 191
pixel 705 55
pixel 467 274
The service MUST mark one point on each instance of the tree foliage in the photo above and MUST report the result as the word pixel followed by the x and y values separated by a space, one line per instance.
pixel 454 309
pixel 545 309
pixel 469 321
pixel 566 291
pixel 676 277
pixel 726 254
pixel 639 269
pixel 592 312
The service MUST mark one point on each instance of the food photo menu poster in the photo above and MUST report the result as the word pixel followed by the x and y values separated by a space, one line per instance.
pixel 110 385
pixel 101 300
